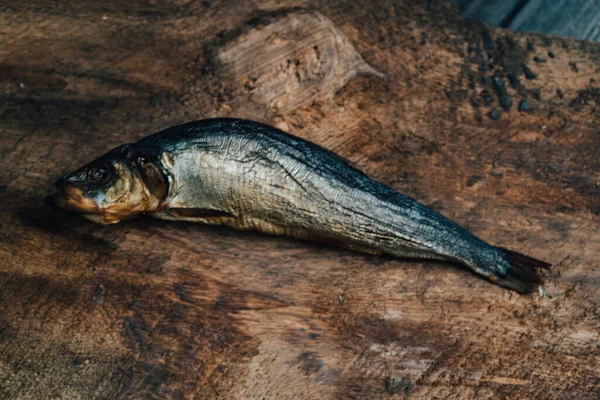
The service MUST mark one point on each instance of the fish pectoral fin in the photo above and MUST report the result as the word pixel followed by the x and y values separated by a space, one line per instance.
pixel 198 213
pixel 203 215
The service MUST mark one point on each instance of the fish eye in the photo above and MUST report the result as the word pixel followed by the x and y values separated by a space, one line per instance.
pixel 99 173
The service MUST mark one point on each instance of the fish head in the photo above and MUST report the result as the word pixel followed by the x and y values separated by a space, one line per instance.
pixel 121 184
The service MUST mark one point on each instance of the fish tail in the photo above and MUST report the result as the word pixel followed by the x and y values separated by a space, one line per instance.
pixel 520 272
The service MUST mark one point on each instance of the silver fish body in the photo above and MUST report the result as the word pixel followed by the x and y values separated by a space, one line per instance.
pixel 252 176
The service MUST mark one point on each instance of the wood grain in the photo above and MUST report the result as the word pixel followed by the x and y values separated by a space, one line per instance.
pixel 152 309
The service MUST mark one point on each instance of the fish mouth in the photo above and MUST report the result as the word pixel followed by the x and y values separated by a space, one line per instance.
pixel 71 198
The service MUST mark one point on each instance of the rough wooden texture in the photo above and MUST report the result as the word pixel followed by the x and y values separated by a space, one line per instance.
pixel 150 309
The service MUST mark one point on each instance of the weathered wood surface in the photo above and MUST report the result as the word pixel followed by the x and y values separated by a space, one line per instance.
pixel 150 309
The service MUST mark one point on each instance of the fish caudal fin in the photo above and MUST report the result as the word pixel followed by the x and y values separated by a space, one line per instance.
pixel 522 274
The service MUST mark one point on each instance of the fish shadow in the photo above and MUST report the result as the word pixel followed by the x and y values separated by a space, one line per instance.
pixel 61 223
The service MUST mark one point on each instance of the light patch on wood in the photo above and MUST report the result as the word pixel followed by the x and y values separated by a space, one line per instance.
pixel 290 62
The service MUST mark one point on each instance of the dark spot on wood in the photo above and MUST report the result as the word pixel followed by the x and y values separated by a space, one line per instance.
pixel 457 95
pixel 551 54
pixel 573 66
pixel 535 93
pixel 310 362
pixel 475 102
pixel 179 289
pixel 394 385
pixel 506 102
pixel 473 180
pixel 467 73
pixel 560 93
pixel 514 81
pixel 530 46
pixel 182 293
pixel 539 60
pixel 494 114
pixel 529 74
pixel 585 97
pixel 546 41
pixel 563 209
pixel 498 83
pixel 486 96
pixel 98 298
pixel 524 105
pixel 500 88
pixel 496 172
pixel 133 333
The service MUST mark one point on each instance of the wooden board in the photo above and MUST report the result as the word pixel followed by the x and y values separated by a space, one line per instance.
pixel 150 309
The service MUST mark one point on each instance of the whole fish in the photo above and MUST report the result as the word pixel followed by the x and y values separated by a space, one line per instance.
pixel 248 175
